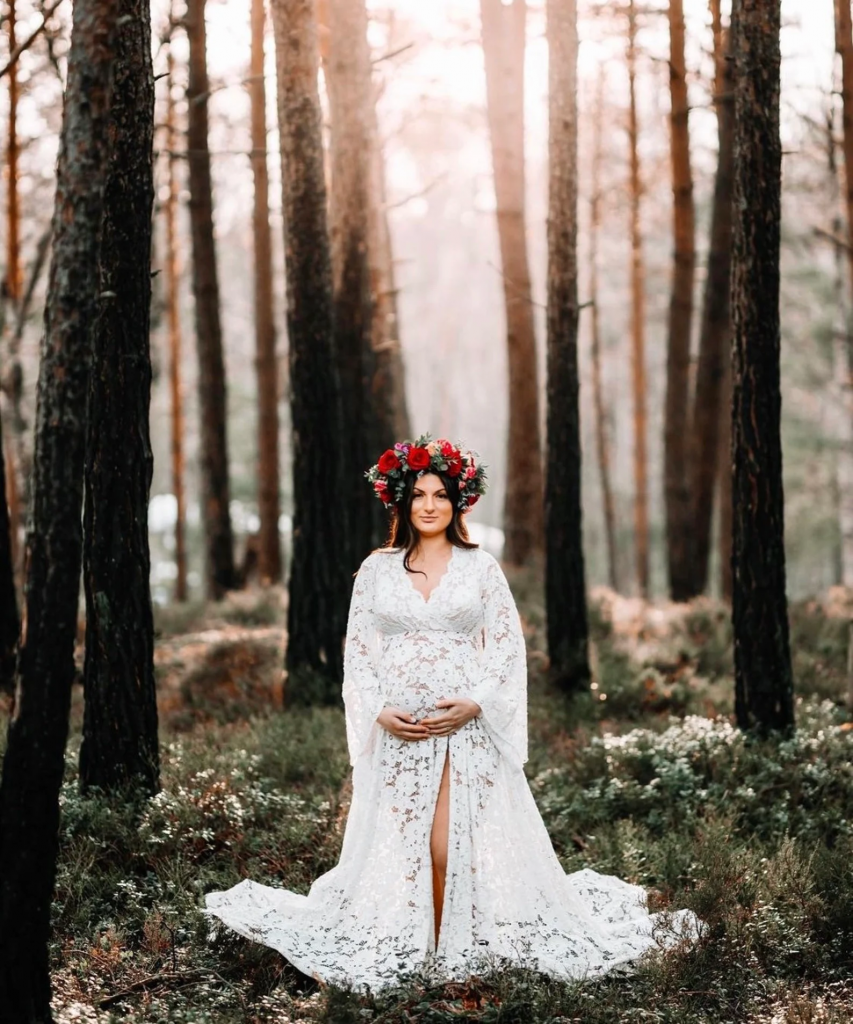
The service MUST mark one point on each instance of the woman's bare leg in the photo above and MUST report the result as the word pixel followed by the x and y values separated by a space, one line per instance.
pixel 438 843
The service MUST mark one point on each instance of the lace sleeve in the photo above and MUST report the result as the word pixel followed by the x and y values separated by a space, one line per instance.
pixel 361 689
pixel 501 688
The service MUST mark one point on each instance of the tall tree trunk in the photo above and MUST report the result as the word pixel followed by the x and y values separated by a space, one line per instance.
pixel 715 332
pixel 119 745
pixel 350 99
pixel 764 688
pixel 9 504
pixel 504 28
pixel 601 434
pixel 565 580
pixel 13 218
pixel 320 584
pixel 638 327
pixel 34 761
pixel 844 46
pixel 175 340
pixel 726 471
pixel 266 364
pixel 676 494
pixel 12 290
pixel 219 571
pixel 843 345
pixel 842 411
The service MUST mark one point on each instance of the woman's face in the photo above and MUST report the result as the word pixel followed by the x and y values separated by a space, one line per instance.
pixel 432 510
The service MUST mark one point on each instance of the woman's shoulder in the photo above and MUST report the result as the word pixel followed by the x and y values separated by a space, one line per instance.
pixel 482 557
pixel 376 555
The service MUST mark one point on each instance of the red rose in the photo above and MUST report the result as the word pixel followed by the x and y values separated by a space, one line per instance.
pixel 388 461
pixel 384 495
pixel 419 458
pixel 473 500
pixel 446 448
pixel 454 467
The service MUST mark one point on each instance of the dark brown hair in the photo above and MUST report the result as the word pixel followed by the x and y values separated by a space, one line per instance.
pixel 403 536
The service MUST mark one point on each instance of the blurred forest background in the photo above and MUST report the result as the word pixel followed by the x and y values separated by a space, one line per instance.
pixel 430 87
pixel 314 229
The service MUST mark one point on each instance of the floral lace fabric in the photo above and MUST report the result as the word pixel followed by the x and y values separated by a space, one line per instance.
pixel 507 897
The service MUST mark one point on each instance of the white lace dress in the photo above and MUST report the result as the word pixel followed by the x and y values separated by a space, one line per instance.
pixel 506 895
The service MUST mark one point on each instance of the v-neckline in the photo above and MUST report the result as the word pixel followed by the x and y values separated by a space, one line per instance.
pixel 426 600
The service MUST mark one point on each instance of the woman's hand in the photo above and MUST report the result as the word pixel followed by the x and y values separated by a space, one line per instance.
pixel 401 724
pixel 460 711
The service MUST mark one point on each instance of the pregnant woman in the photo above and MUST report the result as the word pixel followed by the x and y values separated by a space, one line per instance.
pixel 446 865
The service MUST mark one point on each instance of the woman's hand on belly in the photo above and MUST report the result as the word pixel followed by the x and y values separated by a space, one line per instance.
pixel 401 724
pixel 460 711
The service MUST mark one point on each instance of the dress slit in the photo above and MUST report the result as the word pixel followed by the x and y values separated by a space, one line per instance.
pixel 445 764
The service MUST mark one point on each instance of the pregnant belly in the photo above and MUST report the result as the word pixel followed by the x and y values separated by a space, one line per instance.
pixel 423 667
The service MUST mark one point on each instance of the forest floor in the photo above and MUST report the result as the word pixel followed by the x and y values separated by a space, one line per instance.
pixel 645 777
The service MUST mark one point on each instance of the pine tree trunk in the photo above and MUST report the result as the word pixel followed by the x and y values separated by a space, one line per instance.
pixel 12 293
pixel 565 581
pixel 504 28
pixel 13 253
pixel 9 505
pixel 726 470
pixel 842 406
pixel 602 441
pixel 269 547
pixel 320 583
pixel 715 334
pixel 34 761
pixel 676 494
pixel 844 359
pixel 764 690
pixel 844 46
pixel 638 327
pixel 219 571
pixel 350 99
pixel 175 340
pixel 119 745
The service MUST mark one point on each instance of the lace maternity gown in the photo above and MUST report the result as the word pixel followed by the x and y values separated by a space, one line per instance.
pixel 506 894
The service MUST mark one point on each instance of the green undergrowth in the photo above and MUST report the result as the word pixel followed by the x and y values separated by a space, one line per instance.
pixel 652 783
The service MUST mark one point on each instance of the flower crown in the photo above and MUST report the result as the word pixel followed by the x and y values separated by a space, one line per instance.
pixel 424 455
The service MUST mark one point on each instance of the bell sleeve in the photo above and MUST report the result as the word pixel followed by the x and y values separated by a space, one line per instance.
pixel 362 692
pixel 501 686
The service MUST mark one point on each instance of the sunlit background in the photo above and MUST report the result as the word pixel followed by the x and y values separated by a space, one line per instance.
pixel 430 76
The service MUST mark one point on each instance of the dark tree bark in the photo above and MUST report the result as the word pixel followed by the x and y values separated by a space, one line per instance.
pixel 565 582
pixel 763 678
pixel 10 622
pixel 725 474
pixel 676 436
pixel 602 440
pixel 35 755
pixel 350 99
pixel 175 341
pixel 219 571
pixel 504 28
pixel 638 321
pixel 269 541
pixel 320 584
pixel 119 745
pixel 715 335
